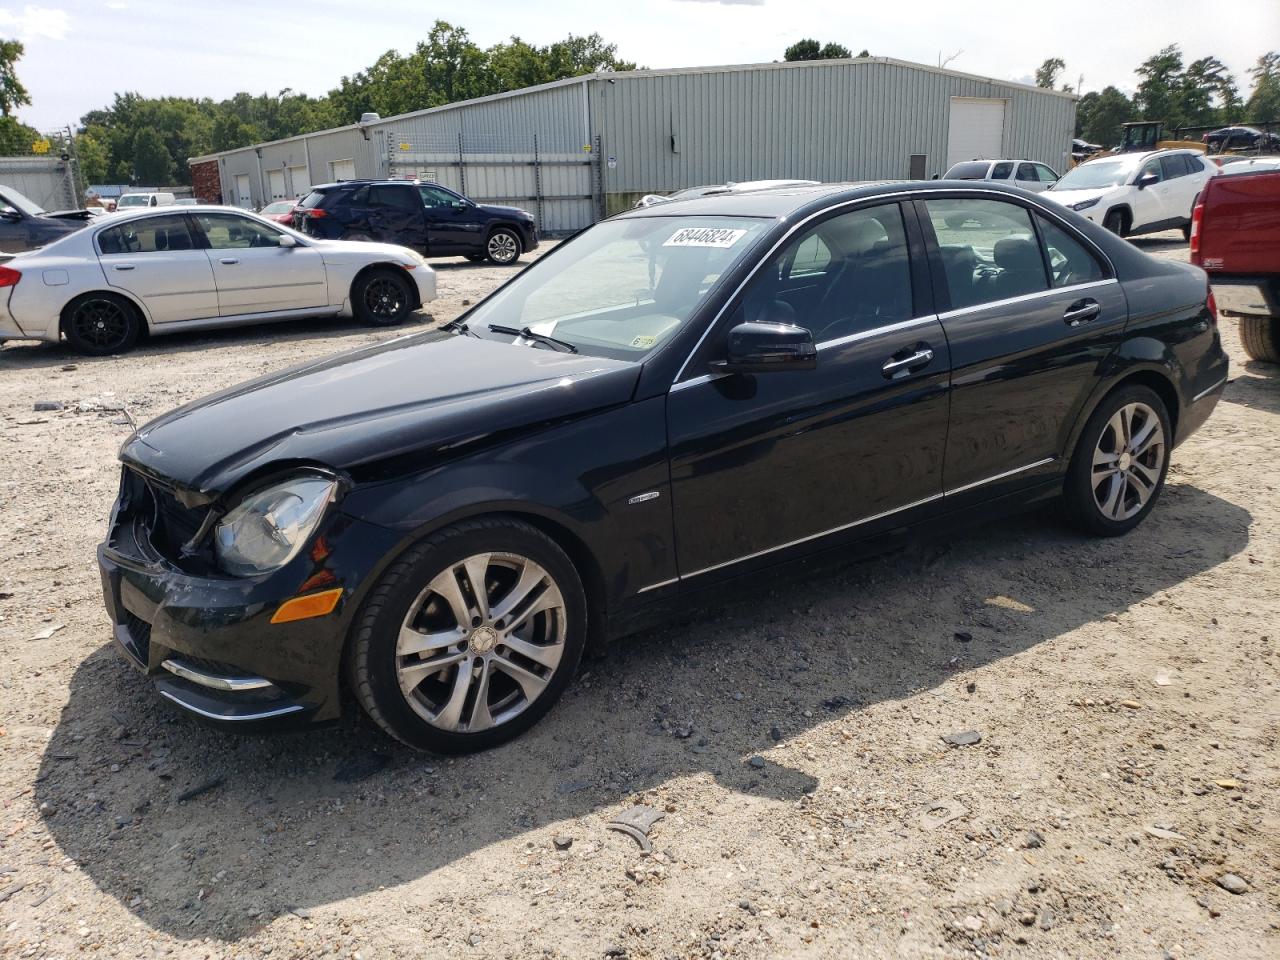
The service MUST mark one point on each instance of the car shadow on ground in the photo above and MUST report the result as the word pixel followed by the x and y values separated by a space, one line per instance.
pixel 1258 388
pixel 301 820
pixel 36 355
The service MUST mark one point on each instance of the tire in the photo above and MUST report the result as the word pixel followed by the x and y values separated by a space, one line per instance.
pixel 382 298
pixel 426 594
pixel 1117 221
pixel 503 247
pixel 100 324
pixel 1186 233
pixel 478 257
pixel 1261 338
pixel 1111 486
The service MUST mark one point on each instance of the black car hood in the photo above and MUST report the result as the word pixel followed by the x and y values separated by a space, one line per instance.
pixel 517 213
pixel 406 397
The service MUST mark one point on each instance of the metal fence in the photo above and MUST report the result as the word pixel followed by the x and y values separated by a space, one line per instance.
pixel 43 168
pixel 562 190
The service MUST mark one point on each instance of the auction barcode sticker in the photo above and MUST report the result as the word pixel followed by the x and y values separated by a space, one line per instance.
pixel 705 237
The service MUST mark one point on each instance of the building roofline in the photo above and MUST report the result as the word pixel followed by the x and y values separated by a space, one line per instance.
pixel 638 75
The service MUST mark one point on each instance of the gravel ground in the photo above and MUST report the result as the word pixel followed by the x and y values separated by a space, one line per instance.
pixel 1125 692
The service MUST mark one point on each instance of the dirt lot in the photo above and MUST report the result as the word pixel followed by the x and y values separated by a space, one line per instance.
pixel 1125 692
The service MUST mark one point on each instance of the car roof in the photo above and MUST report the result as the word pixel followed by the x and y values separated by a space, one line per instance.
pixel 1133 159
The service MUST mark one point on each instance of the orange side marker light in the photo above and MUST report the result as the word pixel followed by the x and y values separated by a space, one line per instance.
pixel 303 608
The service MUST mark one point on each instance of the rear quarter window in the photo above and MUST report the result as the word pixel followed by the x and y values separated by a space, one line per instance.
pixel 972 170
pixel 313 199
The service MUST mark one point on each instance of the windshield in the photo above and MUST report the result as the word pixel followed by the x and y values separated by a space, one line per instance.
pixel 1094 176
pixel 15 200
pixel 624 287
pixel 134 200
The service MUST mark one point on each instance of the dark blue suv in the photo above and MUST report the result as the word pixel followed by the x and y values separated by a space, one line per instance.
pixel 422 216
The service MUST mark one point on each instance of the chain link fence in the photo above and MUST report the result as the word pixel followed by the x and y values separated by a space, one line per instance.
pixel 42 167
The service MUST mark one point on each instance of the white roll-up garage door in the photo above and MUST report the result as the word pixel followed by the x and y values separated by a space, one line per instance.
pixel 299 180
pixel 976 130
pixel 244 193
pixel 343 169
pixel 275 185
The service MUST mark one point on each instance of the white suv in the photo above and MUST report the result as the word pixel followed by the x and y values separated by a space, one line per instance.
pixel 1027 174
pixel 1131 193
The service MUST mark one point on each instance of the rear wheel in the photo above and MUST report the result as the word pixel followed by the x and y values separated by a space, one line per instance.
pixel 1117 221
pixel 470 637
pixel 503 246
pixel 1261 338
pixel 99 324
pixel 1120 462
pixel 382 298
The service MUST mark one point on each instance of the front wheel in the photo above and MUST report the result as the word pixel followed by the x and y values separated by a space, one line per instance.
pixel 1116 222
pixel 98 324
pixel 1120 462
pixel 1261 338
pixel 382 298
pixel 503 246
pixel 470 637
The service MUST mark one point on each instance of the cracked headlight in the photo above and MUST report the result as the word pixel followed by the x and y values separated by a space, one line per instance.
pixel 268 527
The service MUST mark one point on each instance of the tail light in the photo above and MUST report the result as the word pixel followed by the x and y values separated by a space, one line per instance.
pixel 9 277
pixel 315 213
pixel 1212 304
pixel 1197 224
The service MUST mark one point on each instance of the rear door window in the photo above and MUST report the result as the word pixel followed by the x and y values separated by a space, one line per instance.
pixel 1070 262
pixel 1174 166
pixel 970 170
pixel 394 195
pixel 1001 171
pixel 989 250
pixel 150 235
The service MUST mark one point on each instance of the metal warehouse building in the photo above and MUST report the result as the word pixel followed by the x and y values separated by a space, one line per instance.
pixel 575 150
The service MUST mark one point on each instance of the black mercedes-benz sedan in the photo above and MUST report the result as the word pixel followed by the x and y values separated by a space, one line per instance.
pixel 676 397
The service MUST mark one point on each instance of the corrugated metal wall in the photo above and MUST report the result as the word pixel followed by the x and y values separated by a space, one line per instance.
pixel 665 130
pixel 859 120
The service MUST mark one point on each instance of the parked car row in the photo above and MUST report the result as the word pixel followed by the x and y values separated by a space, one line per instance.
pixel 679 396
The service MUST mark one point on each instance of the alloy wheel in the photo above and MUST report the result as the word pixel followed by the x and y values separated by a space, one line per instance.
pixel 503 247
pixel 384 298
pixel 1128 461
pixel 481 642
pixel 101 324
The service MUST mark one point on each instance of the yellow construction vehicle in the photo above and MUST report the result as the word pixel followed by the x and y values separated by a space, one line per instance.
pixel 1143 135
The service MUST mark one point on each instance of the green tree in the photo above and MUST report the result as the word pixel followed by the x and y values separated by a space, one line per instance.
pixel 152 163
pixel 1047 73
pixel 1160 90
pixel 812 50
pixel 1107 112
pixel 16 137
pixel 93 155
pixel 1264 100
pixel 12 93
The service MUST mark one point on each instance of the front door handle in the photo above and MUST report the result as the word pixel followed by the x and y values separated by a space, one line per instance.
pixel 229 261
pixel 900 366
pixel 123 266
pixel 1082 311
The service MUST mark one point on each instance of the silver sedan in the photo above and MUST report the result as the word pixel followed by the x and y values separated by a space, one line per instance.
pixel 161 271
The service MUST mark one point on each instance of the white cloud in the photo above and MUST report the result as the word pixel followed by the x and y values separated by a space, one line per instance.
pixel 36 22
pixel 730 3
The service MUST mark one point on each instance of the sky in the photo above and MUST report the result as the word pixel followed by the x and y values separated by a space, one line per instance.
pixel 78 53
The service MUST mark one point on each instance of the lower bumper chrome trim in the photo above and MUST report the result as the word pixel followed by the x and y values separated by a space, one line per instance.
pixel 214 681
pixel 1204 393
pixel 235 717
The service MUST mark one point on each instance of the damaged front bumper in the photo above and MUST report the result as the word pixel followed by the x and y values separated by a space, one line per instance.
pixel 206 639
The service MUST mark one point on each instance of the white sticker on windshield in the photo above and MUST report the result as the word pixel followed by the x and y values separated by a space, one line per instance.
pixel 705 237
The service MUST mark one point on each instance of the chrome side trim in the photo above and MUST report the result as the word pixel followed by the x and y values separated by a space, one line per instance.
pixel 655 586
pixel 645 497
pixel 813 536
pixel 696 381
pixel 855 523
pixel 876 331
pixel 1204 393
pixel 213 680
pixel 999 476
pixel 1050 209
pixel 1024 298
pixel 264 715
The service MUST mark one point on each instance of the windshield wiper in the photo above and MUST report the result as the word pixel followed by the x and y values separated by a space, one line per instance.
pixel 462 328
pixel 528 334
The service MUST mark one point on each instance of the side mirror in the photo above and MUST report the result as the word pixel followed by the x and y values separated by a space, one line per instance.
pixel 461 204
pixel 756 347
pixel 1146 180
pixel 286 241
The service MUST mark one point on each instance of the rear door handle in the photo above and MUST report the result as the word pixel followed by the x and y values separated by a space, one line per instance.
pixel 229 261
pixel 921 358
pixel 123 266
pixel 1082 311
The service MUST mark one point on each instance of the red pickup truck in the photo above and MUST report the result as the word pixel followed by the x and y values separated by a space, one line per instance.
pixel 1235 237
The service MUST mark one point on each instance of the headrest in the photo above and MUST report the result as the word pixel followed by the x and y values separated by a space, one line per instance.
pixel 1018 253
